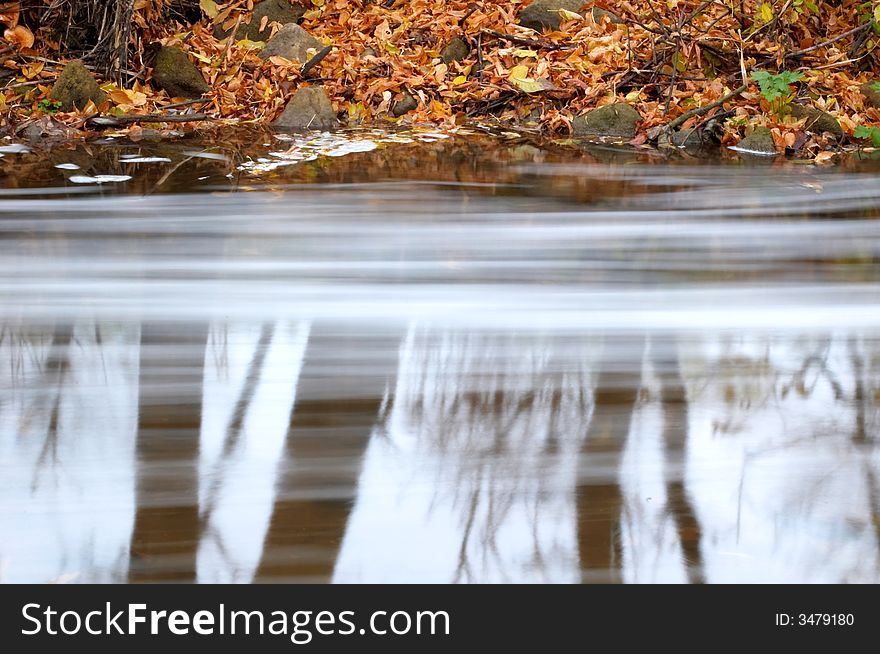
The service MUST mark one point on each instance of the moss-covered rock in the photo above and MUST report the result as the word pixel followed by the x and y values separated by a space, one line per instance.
pixel 871 91
pixel 75 86
pixel 544 14
pixel 274 11
pixel 760 141
pixel 177 75
pixel 817 121
pixel 403 106
pixel 456 50
pixel 292 42
pixel 617 119
pixel 309 108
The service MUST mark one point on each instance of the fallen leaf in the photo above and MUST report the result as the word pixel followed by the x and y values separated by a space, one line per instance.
pixel 20 36
pixel 209 7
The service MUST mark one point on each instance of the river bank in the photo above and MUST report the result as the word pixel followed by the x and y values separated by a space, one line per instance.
pixel 796 79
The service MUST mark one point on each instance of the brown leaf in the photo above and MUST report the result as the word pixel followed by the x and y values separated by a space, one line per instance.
pixel 20 36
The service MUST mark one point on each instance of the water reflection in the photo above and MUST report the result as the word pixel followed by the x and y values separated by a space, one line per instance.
pixel 436 361
pixel 290 451
pixel 68 424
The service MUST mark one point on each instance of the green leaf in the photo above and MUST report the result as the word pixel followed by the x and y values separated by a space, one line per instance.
pixel 873 133
pixel 209 7
pixel 766 12
pixel 774 87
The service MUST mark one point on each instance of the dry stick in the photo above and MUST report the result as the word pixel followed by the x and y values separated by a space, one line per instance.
pixel 855 30
pixel 314 61
pixel 699 111
pixel 474 7
pixel 231 39
pixel 547 45
pixel 118 121
pixel 186 103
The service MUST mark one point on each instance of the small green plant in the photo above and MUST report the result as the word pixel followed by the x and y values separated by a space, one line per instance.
pixel 48 106
pixel 870 11
pixel 776 88
pixel 872 133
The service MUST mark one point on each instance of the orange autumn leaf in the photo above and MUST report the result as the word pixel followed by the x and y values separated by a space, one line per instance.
pixel 20 36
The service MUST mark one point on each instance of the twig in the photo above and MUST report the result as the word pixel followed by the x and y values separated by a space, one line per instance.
pixel 119 121
pixel 535 43
pixel 473 9
pixel 314 61
pixel 231 38
pixel 187 103
pixel 699 111
pixel 855 30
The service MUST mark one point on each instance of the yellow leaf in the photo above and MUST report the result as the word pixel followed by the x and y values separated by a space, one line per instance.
pixel 461 79
pixel 209 7
pixel 518 76
pixel 247 44
pixel 120 97
pixel 30 72
pixel 633 96
pixel 518 72
pixel 570 15
pixel 525 53
pixel 766 12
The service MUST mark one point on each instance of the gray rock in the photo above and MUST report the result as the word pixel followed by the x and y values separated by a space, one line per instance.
pixel 277 11
pixel 309 108
pixel 599 14
pixel 75 86
pixel 817 121
pixel 174 72
pixel 687 138
pixel 544 14
pixel 292 42
pixel 617 119
pixel 456 50
pixel 759 141
pixel 403 106
pixel 871 91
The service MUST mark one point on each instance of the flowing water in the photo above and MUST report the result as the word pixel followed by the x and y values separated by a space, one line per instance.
pixel 423 357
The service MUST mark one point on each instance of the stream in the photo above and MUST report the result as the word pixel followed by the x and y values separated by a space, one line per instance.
pixel 409 356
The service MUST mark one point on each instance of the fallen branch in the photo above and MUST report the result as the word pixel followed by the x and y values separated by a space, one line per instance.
pixel 855 30
pixel 699 111
pixel 314 61
pixel 120 121
pixel 532 43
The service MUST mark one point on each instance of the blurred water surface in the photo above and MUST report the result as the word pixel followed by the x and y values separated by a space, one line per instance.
pixel 422 357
